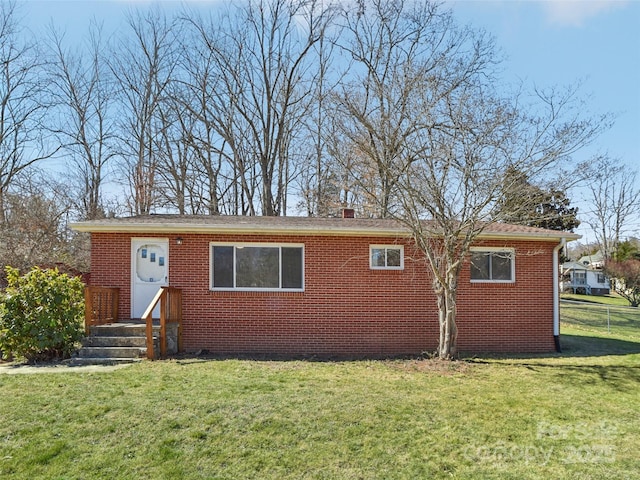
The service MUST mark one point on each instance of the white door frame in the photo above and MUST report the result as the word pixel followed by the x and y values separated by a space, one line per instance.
pixel 142 292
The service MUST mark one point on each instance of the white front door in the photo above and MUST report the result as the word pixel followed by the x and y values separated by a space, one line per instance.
pixel 149 272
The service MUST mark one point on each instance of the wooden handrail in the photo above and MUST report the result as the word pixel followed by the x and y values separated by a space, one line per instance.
pixel 100 306
pixel 170 300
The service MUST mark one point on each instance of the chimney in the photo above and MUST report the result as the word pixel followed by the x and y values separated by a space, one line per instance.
pixel 348 213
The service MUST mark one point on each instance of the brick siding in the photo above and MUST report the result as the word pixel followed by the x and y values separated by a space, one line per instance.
pixel 346 309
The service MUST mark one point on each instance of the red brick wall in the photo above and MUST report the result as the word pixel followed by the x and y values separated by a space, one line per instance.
pixel 346 309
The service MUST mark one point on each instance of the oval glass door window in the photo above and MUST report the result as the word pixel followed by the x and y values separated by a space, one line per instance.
pixel 150 263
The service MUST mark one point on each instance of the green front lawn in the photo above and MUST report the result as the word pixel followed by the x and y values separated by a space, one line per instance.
pixel 613 299
pixel 568 416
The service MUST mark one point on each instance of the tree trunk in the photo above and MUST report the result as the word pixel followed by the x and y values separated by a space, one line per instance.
pixel 448 346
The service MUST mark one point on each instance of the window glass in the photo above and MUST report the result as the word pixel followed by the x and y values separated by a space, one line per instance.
pixel 291 267
pixel 223 267
pixel 377 257
pixel 393 257
pixel 501 266
pixel 257 267
pixel 260 267
pixel 382 256
pixel 480 266
pixel 492 266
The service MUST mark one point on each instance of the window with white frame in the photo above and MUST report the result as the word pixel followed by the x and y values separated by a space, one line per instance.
pixel 386 257
pixel 258 267
pixel 580 277
pixel 492 265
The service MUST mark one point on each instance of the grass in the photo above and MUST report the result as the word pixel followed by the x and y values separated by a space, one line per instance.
pixel 612 299
pixel 569 415
pixel 603 318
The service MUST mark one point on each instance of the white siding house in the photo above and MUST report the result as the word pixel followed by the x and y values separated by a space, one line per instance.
pixel 584 278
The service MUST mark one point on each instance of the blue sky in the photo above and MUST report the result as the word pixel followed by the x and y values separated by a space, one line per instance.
pixel 559 42
pixel 545 42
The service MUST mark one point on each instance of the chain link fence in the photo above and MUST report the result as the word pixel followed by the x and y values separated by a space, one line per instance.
pixel 601 318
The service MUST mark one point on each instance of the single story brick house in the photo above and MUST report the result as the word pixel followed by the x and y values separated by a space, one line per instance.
pixel 331 287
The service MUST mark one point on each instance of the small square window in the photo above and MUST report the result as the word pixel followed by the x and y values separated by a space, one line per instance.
pixel 492 265
pixel 386 257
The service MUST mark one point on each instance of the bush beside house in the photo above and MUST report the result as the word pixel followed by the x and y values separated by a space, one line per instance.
pixel 41 314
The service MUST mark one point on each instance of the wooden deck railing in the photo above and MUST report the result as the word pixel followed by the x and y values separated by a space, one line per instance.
pixel 100 306
pixel 170 300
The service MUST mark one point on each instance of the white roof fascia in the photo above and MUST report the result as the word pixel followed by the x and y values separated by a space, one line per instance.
pixel 334 230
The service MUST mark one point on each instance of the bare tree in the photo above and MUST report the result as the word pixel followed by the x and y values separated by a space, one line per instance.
pixel 394 49
pixel 177 177
pixel 83 94
pixel 448 139
pixel 614 198
pixel 263 69
pixel 209 109
pixel 143 67
pixel 23 103
pixel 34 228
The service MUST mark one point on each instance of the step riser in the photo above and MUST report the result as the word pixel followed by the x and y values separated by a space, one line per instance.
pixel 104 341
pixel 102 361
pixel 120 331
pixel 111 352
pixel 115 343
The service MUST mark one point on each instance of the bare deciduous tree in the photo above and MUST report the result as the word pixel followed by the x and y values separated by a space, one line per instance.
pixel 143 66
pixel 444 143
pixel 263 61
pixel 34 228
pixel 23 103
pixel 614 198
pixel 395 49
pixel 85 122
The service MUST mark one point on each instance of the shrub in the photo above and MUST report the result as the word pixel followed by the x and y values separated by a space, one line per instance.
pixel 40 314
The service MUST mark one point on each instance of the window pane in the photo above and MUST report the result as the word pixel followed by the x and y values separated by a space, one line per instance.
pixel 291 267
pixel 393 257
pixel 479 266
pixel 223 267
pixel 257 267
pixel 501 266
pixel 377 257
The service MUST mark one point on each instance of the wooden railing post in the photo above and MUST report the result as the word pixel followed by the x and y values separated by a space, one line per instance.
pixel 170 300
pixel 88 309
pixel 163 323
pixel 149 334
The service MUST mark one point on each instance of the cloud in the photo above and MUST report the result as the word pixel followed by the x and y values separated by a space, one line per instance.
pixel 574 13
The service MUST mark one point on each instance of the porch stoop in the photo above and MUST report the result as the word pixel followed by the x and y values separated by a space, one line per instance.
pixel 123 342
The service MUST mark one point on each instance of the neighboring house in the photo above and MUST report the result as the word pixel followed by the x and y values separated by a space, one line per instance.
pixel 595 261
pixel 343 287
pixel 582 277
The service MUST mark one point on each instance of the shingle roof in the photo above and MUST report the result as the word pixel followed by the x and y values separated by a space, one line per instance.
pixel 166 223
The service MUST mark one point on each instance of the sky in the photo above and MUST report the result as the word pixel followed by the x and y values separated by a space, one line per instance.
pixel 561 42
pixel 546 43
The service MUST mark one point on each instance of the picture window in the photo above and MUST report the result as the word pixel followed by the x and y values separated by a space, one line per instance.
pixel 257 267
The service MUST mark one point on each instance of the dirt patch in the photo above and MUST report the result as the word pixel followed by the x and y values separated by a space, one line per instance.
pixel 432 365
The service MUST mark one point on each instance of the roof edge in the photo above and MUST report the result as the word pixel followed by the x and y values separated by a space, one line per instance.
pixel 333 230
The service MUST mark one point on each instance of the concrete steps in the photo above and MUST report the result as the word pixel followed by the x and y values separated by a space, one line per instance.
pixel 123 342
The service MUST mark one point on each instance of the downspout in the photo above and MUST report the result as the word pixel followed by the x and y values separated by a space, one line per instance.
pixel 556 293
